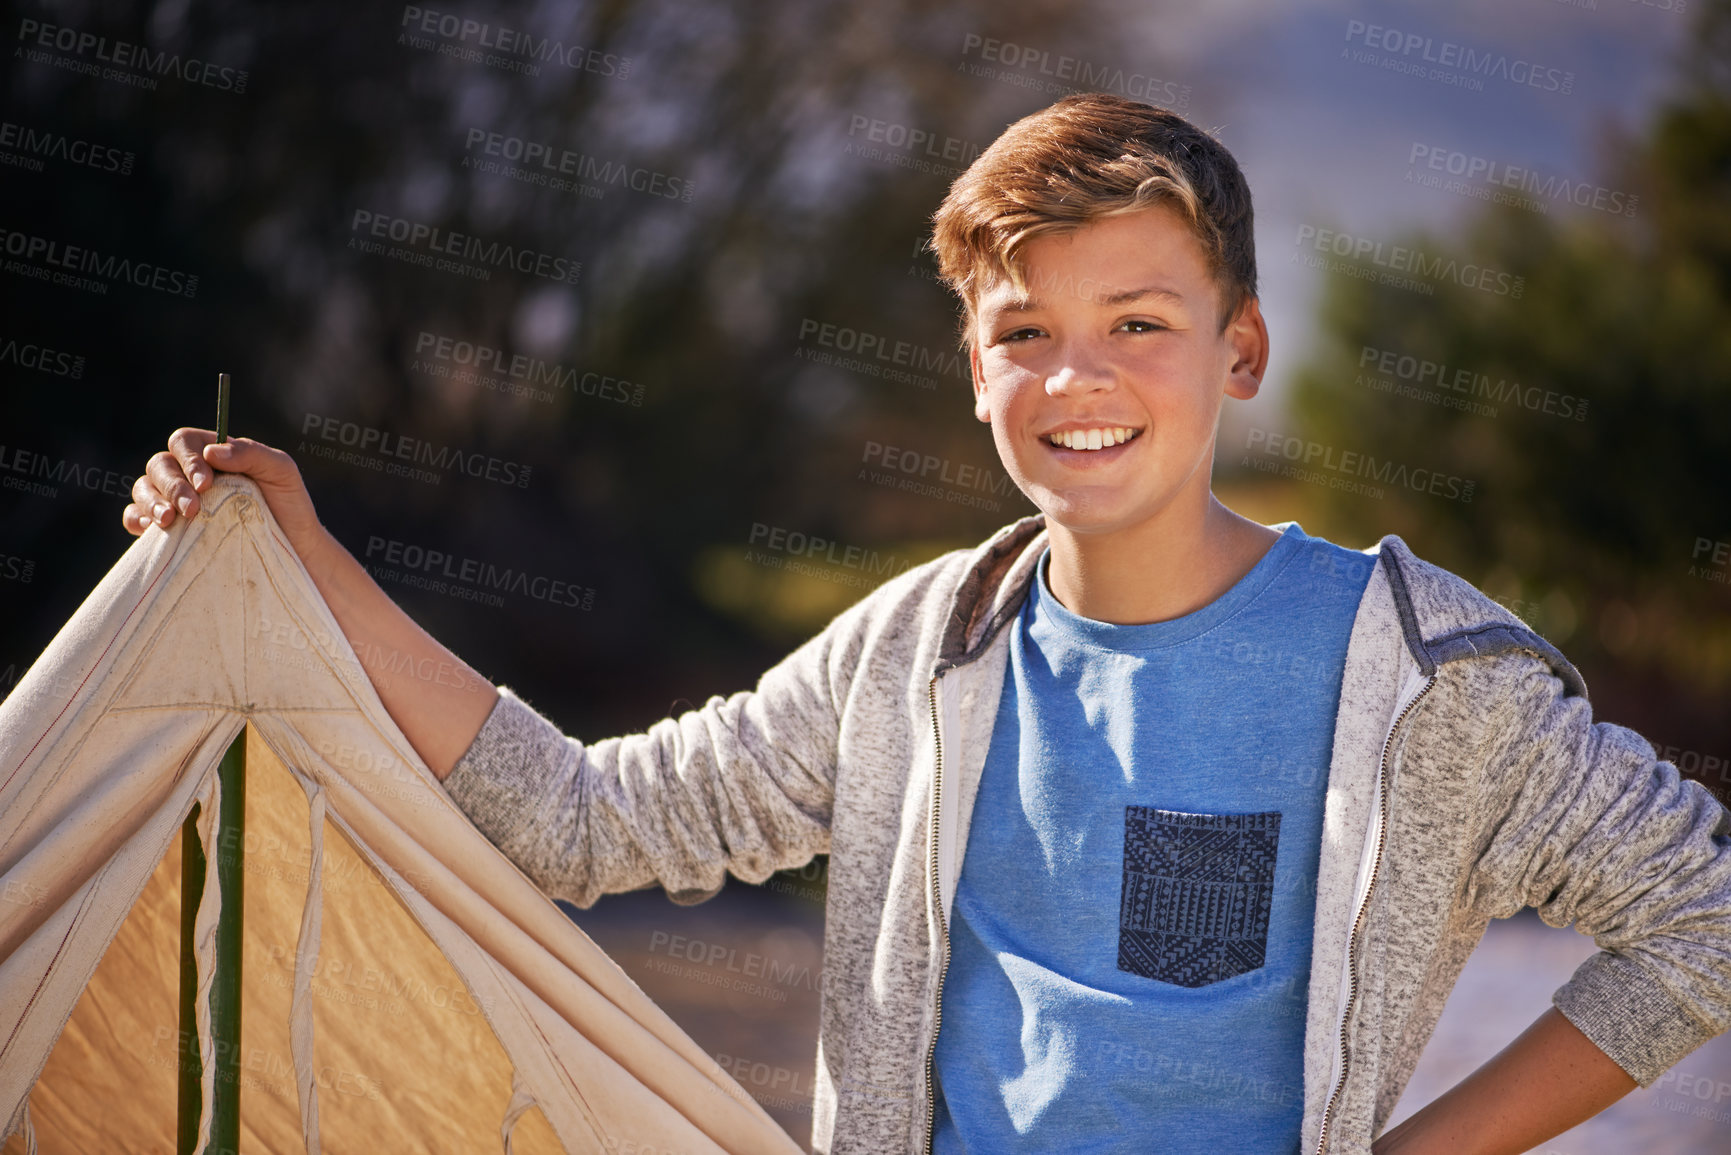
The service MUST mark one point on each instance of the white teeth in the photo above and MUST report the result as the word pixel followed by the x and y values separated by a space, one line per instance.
pixel 1101 438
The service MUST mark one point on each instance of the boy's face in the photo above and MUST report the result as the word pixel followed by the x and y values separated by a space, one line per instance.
pixel 1121 330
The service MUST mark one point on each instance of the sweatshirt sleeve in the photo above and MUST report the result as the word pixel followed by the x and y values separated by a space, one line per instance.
pixel 1580 820
pixel 743 784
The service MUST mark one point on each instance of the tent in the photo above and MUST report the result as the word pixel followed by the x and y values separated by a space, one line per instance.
pixel 405 987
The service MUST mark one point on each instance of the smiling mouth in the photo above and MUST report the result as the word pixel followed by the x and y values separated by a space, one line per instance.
pixel 1101 437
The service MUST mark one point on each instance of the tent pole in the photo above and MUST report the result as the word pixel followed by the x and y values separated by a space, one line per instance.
pixel 226 985
pixel 225 990
pixel 188 1064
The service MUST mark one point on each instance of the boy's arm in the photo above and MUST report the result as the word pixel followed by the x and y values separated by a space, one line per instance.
pixel 436 699
pixel 1581 821
pixel 1550 1079
pixel 743 784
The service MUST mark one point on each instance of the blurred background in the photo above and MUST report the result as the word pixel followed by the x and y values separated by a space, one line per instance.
pixel 628 302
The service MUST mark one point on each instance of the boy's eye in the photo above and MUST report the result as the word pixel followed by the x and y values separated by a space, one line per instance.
pixel 1028 332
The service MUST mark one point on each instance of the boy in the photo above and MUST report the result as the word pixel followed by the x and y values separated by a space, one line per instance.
pixel 1150 827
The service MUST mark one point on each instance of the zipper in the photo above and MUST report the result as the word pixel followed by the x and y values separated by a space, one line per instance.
pixel 1363 907
pixel 943 925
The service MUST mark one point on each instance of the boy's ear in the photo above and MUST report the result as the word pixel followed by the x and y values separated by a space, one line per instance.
pixel 982 408
pixel 1247 338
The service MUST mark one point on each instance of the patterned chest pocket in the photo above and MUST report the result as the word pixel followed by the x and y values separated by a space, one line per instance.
pixel 1197 892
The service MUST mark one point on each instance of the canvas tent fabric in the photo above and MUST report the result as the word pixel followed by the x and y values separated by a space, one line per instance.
pixel 405 1059
pixel 114 733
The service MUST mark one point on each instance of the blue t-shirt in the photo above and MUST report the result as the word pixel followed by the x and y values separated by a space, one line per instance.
pixel 1131 933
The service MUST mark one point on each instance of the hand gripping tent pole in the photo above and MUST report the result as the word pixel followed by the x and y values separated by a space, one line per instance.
pixel 202 630
pixel 225 991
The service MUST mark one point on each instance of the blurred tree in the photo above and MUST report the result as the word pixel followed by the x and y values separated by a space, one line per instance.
pixel 758 107
pixel 1598 531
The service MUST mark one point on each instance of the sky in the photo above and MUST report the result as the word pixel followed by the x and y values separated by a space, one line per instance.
pixel 1325 139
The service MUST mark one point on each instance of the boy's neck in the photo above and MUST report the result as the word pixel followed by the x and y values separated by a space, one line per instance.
pixel 1163 568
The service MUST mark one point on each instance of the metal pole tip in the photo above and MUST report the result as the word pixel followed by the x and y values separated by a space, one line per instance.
pixel 221 408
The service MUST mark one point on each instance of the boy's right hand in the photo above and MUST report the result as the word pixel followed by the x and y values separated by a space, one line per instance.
pixel 173 479
pixel 439 715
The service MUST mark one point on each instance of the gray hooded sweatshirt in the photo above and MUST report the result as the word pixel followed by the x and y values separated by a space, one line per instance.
pixel 1468 780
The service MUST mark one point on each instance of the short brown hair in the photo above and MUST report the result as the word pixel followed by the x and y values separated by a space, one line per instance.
pixel 1089 156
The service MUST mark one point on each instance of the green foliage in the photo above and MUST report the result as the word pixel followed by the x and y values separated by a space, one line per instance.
pixel 1591 528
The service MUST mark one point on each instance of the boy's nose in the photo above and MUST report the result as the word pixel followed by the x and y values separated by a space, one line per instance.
pixel 1082 367
pixel 1077 376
